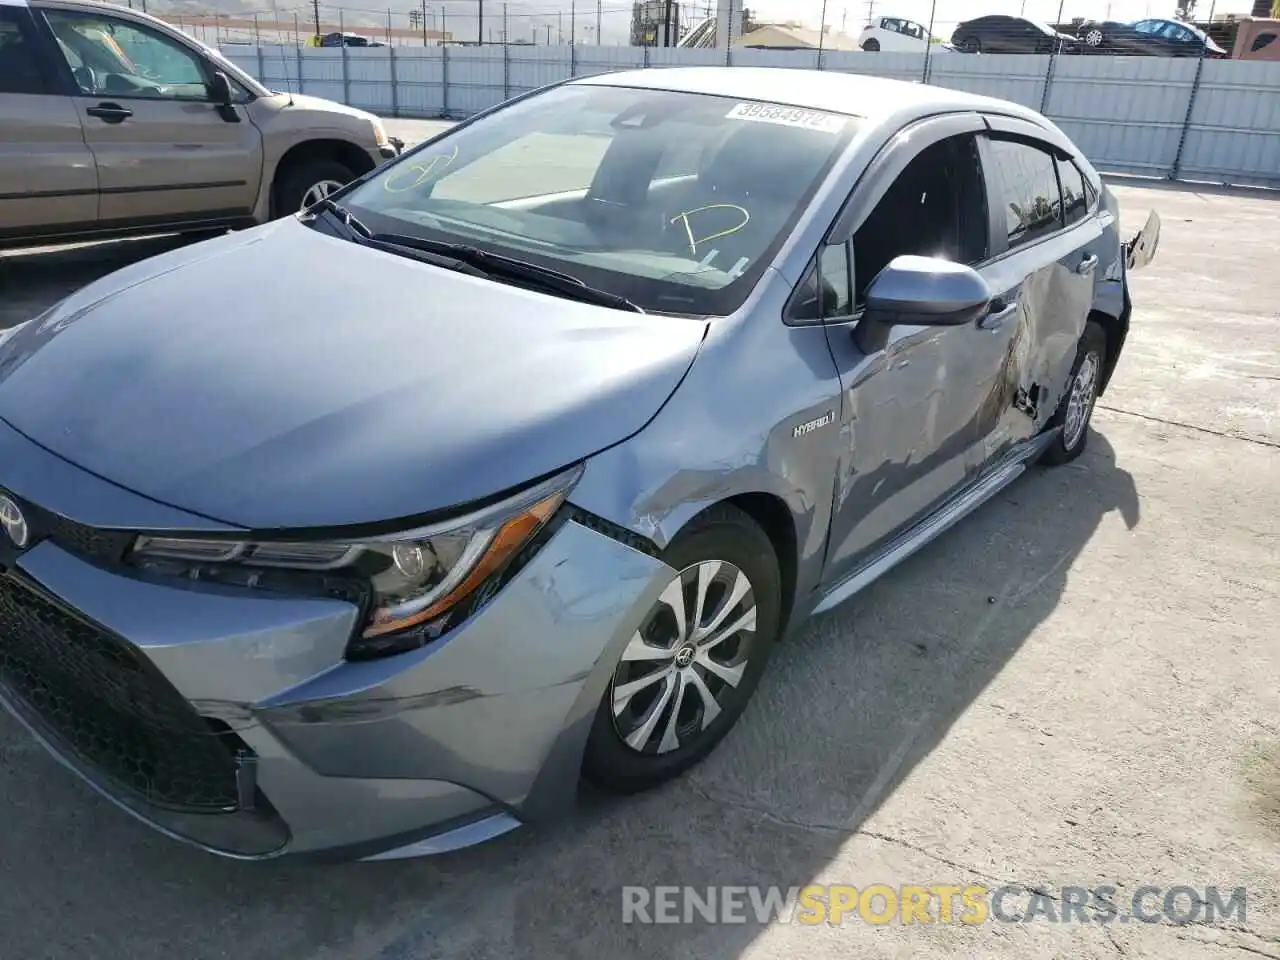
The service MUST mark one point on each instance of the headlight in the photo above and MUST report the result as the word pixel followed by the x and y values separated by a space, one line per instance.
pixel 417 581
pixel 379 133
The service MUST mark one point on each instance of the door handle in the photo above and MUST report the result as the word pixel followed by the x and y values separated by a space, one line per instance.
pixel 110 112
pixel 997 315
pixel 1087 265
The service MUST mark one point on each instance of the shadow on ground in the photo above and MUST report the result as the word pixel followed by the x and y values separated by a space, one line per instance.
pixel 847 711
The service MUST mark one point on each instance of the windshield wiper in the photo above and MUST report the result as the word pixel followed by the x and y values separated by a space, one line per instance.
pixel 345 217
pixel 496 265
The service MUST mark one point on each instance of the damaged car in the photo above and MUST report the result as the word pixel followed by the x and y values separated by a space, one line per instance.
pixel 377 530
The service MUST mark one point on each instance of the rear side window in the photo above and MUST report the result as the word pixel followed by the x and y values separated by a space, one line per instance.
pixel 21 68
pixel 1075 195
pixel 1029 190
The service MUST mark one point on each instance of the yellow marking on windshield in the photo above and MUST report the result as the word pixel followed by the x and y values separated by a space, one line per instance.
pixel 684 218
pixel 422 171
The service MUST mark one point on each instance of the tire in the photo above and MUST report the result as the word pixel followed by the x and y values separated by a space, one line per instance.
pixel 969 45
pixel 1094 38
pixel 872 46
pixel 301 178
pixel 1073 426
pixel 674 743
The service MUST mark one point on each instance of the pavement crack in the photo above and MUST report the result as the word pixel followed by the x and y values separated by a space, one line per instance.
pixel 1111 938
pixel 1191 426
pixel 1243 947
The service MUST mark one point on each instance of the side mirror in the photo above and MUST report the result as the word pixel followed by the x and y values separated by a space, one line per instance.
pixel 924 291
pixel 220 90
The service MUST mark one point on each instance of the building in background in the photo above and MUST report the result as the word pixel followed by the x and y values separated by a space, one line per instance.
pixel 795 36
pixel 655 23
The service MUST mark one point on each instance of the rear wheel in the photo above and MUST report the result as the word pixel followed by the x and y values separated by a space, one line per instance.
pixel 687 673
pixel 872 46
pixel 1076 409
pixel 1093 38
pixel 969 45
pixel 309 182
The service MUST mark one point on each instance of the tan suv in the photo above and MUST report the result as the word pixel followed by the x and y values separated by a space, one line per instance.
pixel 113 122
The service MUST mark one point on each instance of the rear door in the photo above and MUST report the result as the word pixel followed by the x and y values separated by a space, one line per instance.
pixel 48 182
pixel 164 151
pixel 1046 246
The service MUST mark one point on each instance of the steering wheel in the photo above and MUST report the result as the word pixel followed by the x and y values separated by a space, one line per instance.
pixel 85 79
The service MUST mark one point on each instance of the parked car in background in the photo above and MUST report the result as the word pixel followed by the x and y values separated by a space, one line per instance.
pixel 1150 38
pixel 114 123
pixel 894 34
pixel 348 40
pixel 1003 34
pixel 530 492
pixel 1257 38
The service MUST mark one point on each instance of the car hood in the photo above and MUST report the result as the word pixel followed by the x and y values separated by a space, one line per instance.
pixel 282 377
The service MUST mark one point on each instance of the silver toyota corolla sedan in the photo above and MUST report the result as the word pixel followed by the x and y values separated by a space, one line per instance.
pixel 379 529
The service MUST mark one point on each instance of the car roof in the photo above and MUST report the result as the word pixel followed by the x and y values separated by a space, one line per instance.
pixel 869 98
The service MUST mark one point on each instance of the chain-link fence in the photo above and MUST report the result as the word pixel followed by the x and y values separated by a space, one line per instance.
pixel 1142 91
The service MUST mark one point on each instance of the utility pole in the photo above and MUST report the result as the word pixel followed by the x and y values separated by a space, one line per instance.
pixel 425 42
pixel 480 22
pixel 560 27
pixel 548 26
pixel 573 23
pixel 506 38
pixel 599 20
pixel 666 25
pixel 315 10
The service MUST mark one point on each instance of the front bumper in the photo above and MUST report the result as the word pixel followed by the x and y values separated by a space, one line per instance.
pixel 229 719
pixel 392 148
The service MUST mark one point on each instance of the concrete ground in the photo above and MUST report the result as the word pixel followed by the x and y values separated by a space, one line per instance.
pixel 1079 685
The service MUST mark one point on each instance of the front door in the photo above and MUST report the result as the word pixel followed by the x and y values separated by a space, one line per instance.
pixel 1042 278
pixel 164 152
pixel 47 178
pixel 911 394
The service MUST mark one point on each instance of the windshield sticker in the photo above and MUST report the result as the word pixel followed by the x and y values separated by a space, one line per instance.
pixel 788 116
pixel 413 175
pixel 685 218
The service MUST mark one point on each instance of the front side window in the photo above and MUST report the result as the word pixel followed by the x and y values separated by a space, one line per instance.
pixel 21 68
pixel 1147 26
pixel 676 201
pixel 115 58
pixel 1032 204
pixel 936 208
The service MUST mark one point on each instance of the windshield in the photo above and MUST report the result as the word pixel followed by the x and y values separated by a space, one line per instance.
pixel 674 201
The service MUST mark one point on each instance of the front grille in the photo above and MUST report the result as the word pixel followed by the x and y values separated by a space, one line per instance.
pixel 110 706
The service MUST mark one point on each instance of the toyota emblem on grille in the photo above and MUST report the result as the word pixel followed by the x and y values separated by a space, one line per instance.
pixel 14 523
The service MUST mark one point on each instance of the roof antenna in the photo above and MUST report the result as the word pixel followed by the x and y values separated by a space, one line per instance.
pixel 288 84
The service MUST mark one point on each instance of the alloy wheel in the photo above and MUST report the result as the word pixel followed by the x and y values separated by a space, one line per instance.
pixel 318 191
pixel 1093 38
pixel 684 665
pixel 1084 391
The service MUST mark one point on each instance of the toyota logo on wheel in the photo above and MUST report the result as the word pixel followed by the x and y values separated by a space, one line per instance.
pixel 14 523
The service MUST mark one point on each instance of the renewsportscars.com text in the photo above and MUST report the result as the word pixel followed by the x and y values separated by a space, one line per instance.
pixel 933 903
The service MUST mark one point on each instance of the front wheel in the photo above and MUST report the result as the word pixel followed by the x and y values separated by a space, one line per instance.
pixel 310 182
pixel 687 673
pixel 1076 409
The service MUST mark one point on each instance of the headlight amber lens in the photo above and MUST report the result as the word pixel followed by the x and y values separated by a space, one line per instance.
pixel 414 578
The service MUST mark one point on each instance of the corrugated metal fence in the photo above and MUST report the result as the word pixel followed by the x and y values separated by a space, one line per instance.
pixel 1205 120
